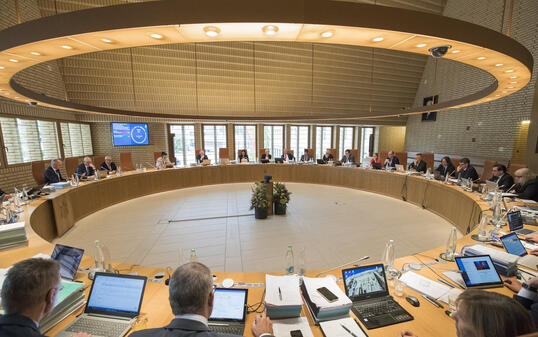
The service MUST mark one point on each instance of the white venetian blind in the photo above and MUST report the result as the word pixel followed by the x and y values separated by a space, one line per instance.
pixel 77 139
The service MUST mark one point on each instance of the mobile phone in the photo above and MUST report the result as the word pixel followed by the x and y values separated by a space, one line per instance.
pixel 327 294
pixel 296 333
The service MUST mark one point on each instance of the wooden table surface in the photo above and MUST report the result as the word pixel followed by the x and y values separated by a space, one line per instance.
pixel 51 216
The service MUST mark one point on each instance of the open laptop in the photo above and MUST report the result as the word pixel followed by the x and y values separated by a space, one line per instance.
pixel 400 168
pixel 366 286
pixel 515 223
pixel 229 311
pixel 320 161
pixel 69 259
pixel 478 272
pixel 512 245
pixel 113 305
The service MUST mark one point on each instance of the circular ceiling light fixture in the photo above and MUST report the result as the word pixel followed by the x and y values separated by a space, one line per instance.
pixel 66 47
pixel 212 31
pixel 106 40
pixel 455 51
pixel 378 39
pixel 269 30
pixel 499 65
pixel 509 71
pixel 13 60
pixel 156 36
pixel 421 45
pixel 327 34
pixel 35 53
pixel 2 67
pixel 481 58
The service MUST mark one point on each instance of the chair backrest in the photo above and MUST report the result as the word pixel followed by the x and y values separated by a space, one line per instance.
pixel 38 171
pixel 126 161
pixel 488 169
pixel 334 152
pixel 402 157
pixel 262 151
pixel 156 156
pixel 383 156
pixel 455 162
pixel 429 159
pixel 355 154
pixel 224 153
pixel 514 167
pixel 311 153
pixel 71 164
pixel 98 160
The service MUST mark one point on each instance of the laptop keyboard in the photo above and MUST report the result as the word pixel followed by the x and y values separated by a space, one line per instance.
pixel 234 330
pixel 98 327
pixel 382 308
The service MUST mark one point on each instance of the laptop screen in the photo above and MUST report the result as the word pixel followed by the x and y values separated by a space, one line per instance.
pixel 478 271
pixel 69 259
pixel 229 305
pixel 512 245
pixel 365 282
pixel 116 294
pixel 514 220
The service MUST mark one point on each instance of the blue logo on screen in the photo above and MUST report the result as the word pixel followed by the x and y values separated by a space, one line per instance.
pixel 125 134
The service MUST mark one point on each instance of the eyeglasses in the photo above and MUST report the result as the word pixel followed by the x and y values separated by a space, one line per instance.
pixel 519 177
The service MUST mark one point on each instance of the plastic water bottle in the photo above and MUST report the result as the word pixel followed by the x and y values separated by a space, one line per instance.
pixel 289 260
pixel 300 261
pixel 388 259
pixel 483 228
pixel 193 257
pixel 451 245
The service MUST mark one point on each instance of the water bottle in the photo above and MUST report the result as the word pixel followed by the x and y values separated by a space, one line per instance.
pixel 483 228
pixel 301 257
pixel 388 259
pixel 497 213
pixel 193 257
pixel 118 172
pixel 289 260
pixel 451 245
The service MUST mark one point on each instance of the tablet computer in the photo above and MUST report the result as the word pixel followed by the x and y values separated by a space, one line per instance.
pixel 69 259
pixel 478 272
pixel 512 245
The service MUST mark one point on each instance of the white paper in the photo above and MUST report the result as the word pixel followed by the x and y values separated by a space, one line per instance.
pixel 289 287
pixel 314 283
pixel 424 285
pixel 455 277
pixel 528 201
pixel 529 245
pixel 334 328
pixel 283 327
pixel 12 226
pixel 453 291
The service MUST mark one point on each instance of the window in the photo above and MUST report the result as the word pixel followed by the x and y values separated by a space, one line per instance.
pixel 323 140
pixel 29 140
pixel 214 138
pixel 298 140
pixel 273 139
pixel 184 146
pixel 245 139
pixel 367 142
pixel 77 139
pixel 346 140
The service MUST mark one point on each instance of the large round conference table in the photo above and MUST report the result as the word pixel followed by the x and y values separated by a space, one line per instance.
pixel 51 216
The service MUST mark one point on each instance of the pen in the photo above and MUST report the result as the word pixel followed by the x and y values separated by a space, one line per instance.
pixel 280 293
pixel 345 328
pixel 432 301
pixel 445 282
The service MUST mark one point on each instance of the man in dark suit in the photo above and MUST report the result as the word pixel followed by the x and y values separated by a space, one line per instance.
pixel 465 170
pixel 503 179
pixel 327 157
pixel 4 196
pixel 191 298
pixel 418 164
pixel 287 156
pixel 29 292
pixel 391 160
pixel 201 156
pixel 526 294
pixel 348 157
pixel 108 165
pixel 86 170
pixel 52 173
pixel 306 156
pixel 266 155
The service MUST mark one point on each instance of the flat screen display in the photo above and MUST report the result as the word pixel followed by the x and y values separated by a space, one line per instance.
pixel 512 245
pixel 229 304
pixel 365 282
pixel 478 271
pixel 128 134
pixel 69 259
pixel 116 294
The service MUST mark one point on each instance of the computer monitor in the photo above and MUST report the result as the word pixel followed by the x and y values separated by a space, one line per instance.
pixel 478 271
pixel 365 282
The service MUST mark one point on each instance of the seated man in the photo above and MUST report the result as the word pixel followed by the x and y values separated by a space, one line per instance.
pixel 52 173
pixel 503 179
pixel 201 156
pixel 108 165
pixel 3 197
pixel 306 156
pixel 266 155
pixel 526 294
pixel 391 160
pixel 348 157
pixel 446 167
pixel 327 156
pixel 29 292
pixel 418 164
pixel 527 186
pixel 465 170
pixel 86 170
pixel 191 298
pixel 287 156
pixel 163 161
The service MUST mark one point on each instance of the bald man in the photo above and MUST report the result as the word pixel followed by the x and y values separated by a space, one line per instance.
pixel 86 170
pixel 391 160
pixel 527 186
pixel 52 173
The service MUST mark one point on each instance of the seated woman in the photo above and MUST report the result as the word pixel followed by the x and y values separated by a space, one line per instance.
pixel 487 314
pixel 446 167
pixel 243 156
pixel 375 160
pixel 527 185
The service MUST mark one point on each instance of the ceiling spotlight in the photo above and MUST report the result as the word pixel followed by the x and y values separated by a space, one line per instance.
pixel 106 40
pixel 13 60
pixel 510 87
pixel 455 51
pixel 378 39
pixel 212 31
pixel 2 67
pixel 513 76
pixel 499 65
pixel 513 82
pixel 67 47
pixel 439 51
pixel 509 71
pixel 270 30
pixel 481 58
pixel 327 34
pixel 497 95
pixel 156 36
pixel 504 91
pixel 35 53
pixel 421 45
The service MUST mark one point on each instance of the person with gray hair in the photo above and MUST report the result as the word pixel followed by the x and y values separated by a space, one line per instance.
pixel 191 298
pixel 108 165
pixel 52 173
pixel 86 170
pixel 527 186
pixel 29 292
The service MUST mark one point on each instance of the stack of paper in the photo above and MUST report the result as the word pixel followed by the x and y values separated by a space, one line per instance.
pixel 428 287
pixel 284 327
pixel 318 306
pixel 13 236
pixel 70 299
pixel 337 328
pixel 282 296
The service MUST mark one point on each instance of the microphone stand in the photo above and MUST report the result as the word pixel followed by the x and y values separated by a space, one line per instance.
pixel 345 264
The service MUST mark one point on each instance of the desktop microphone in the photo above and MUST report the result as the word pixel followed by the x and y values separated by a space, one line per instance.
pixel 508 190
pixel 345 264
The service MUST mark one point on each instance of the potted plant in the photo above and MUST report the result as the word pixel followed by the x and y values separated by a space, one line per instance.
pixel 259 200
pixel 281 197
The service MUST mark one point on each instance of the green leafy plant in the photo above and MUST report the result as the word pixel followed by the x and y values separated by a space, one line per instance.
pixel 259 196
pixel 281 194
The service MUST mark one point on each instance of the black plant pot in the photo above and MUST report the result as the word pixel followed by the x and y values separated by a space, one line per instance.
pixel 279 208
pixel 260 213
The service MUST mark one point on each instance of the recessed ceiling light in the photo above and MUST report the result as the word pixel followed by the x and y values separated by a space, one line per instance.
pixel 455 51
pixel 509 71
pixel 497 95
pixel 513 76
pixel 327 34
pixel 510 87
pixel 35 53
pixel 481 58
pixel 67 47
pixel 2 67
pixel 156 36
pixel 378 39
pixel 106 40
pixel 270 30
pixel 13 60
pixel 212 31
pixel 504 91
pixel 513 82
pixel 16 97
pixel 421 45
pixel 499 64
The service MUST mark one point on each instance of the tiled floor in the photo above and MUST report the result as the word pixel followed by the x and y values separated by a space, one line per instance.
pixel 333 225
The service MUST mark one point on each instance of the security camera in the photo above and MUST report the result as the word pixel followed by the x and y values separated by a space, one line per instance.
pixel 439 51
pixel 32 103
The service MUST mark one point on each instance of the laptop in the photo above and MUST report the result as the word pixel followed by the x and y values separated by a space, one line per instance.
pixel 229 311
pixel 512 245
pixel 478 272
pixel 102 174
pixel 366 286
pixel 321 161
pixel 279 160
pixel 69 259
pixel 376 166
pixel 113 305
pixel 400 168
pixel 515 223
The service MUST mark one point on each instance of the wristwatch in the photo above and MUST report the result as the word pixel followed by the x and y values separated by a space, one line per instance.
pixel 529 288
